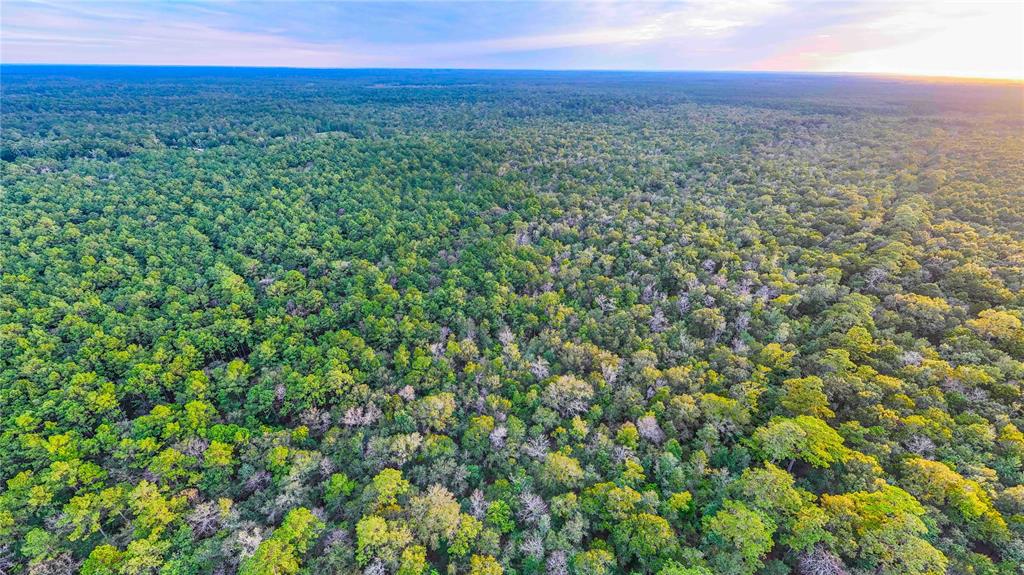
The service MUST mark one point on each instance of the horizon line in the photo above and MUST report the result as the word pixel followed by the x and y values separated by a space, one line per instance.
pixel 880 75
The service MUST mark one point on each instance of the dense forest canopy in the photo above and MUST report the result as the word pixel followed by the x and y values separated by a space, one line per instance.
pixel 417 322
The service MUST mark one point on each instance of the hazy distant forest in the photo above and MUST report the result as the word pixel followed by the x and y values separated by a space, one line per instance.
pixel 275 322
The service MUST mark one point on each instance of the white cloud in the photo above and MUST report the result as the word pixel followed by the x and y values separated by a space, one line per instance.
pixel 83 33
pixel 942 39
pixel 979 38
pixel 932 38
pixel 699 19
pixel 45 33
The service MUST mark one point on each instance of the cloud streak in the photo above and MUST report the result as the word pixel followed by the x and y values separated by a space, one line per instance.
pixel 863 36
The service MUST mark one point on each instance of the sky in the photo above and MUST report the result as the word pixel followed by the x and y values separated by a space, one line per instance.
pixel 970 38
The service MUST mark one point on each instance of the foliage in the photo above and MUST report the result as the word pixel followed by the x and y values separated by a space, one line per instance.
pixel 415 322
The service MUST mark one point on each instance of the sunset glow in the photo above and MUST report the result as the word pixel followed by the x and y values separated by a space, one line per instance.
pixel 935 38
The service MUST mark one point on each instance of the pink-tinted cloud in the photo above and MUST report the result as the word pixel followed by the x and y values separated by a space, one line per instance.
pixel 980 38
pixel 947 38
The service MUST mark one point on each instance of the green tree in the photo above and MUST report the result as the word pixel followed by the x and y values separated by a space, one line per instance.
pixel 484 565
pixel 883 529
pixel 499 516
pixel 594 562
pixel 434 516
pixel 644 537
pixel 804 396
pixel 561 471
pixel 379 538
pixel 740 537
pixel 280 554
pixel 804 437
pixel 386 487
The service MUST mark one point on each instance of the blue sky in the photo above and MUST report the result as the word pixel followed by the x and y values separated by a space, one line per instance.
pixel 982 38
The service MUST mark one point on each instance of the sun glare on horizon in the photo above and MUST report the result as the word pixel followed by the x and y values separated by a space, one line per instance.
pixel 939 39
